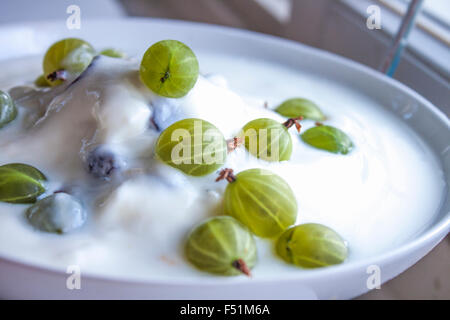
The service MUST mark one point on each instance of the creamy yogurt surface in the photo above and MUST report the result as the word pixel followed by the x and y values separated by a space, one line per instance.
pixel 386 191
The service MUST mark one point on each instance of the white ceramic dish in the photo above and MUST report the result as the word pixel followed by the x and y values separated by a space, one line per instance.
pixel 21 280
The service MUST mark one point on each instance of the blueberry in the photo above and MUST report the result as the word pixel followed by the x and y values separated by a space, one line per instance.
pixel 102 163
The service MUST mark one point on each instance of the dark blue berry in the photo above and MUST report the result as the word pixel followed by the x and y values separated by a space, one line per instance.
pixel 102 163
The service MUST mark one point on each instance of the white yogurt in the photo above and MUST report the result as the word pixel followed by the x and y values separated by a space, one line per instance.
pixel 380 195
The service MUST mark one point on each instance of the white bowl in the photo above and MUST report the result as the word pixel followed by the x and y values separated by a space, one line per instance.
pixel 21 280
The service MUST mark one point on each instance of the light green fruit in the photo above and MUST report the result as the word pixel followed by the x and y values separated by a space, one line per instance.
pixel 328 138
pixel 267 139
pixel 8 110
pixel 113 53
pixel 58 213
pixel 311 246
pixel 194 146
pixel 169 68
pixel 262 201
pixel 300 107
pixel 20 183
pixel 223 246
pixel 71 54
pixel 41 82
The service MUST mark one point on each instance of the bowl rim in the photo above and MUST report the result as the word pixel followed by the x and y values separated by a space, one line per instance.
pixel 431 235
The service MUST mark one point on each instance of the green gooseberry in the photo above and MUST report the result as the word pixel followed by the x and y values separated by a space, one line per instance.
pixel 268 139
pixel 194 146
pixel 261 200
pixel 58 213
pixel 70 56
pixel 328 138
pixel 311 245
pixel 113 53
pixel 300 107
pixel 222 245
pixel 169 68
pixel 21 183
pixel 8 109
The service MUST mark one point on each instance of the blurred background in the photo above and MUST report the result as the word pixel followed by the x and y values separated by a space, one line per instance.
pixel 338 26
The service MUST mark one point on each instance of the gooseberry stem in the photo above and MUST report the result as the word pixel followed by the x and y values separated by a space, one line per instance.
pixel 226 174
pixel 233 144
pixel 318 124
pixel 240 265
pixel 293 121
pixel 165 77
pixel 57 75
